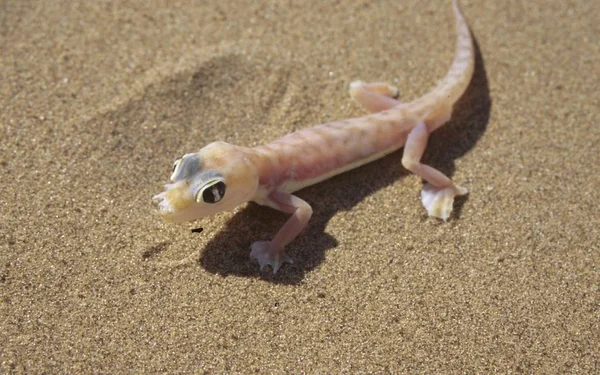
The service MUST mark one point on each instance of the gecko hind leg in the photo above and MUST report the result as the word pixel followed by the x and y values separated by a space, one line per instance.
pixel 439 191
pixel 272 252
pixel 375 96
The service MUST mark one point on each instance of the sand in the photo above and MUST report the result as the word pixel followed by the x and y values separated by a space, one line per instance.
pixel 98 99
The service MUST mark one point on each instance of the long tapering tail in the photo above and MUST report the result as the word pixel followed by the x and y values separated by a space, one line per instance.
pixel 454 84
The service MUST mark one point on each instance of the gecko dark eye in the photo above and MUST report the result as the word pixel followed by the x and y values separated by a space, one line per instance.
pixel 212 192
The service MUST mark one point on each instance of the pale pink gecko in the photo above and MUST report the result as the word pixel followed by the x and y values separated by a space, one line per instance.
pixel 222 176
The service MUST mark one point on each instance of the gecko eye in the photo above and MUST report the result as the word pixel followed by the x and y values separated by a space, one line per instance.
pixel 212 192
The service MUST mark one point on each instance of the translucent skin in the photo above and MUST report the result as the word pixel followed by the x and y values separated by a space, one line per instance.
pixel 269 174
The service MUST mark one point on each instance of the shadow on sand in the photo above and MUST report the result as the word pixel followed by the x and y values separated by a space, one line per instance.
pixel 227 253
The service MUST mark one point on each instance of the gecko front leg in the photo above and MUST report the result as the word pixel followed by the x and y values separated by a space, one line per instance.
pixel 272 252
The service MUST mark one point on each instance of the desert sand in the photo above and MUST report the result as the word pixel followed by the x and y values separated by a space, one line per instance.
pixel 97 99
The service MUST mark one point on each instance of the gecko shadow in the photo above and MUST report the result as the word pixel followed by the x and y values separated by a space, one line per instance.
pixel 228 252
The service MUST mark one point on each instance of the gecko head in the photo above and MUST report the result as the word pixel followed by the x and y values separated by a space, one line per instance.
pixel 217 178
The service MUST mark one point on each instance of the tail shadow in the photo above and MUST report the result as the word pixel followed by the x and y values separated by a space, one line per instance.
pixel 227 253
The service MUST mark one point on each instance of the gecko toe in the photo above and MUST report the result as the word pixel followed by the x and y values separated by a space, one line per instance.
pixel 439 201
pixel 266 254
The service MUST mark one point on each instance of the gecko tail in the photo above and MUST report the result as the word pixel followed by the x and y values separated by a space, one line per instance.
pixel 458 77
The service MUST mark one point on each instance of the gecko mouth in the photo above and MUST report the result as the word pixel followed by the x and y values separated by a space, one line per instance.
pixel 176 205
pixel 162 202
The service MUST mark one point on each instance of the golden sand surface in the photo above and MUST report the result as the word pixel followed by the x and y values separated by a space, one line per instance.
pixel 97 99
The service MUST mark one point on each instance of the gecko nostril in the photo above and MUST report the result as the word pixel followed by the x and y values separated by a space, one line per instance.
pixel 159 197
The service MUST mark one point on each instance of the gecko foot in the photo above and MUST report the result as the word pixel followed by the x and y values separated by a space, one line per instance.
pixel 382 88
pixel 266 254
pixel 439 201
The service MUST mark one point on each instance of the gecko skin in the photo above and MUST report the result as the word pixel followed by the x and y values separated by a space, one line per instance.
pixel 222 176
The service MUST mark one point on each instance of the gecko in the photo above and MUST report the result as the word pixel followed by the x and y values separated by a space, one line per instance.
pixel 221 176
